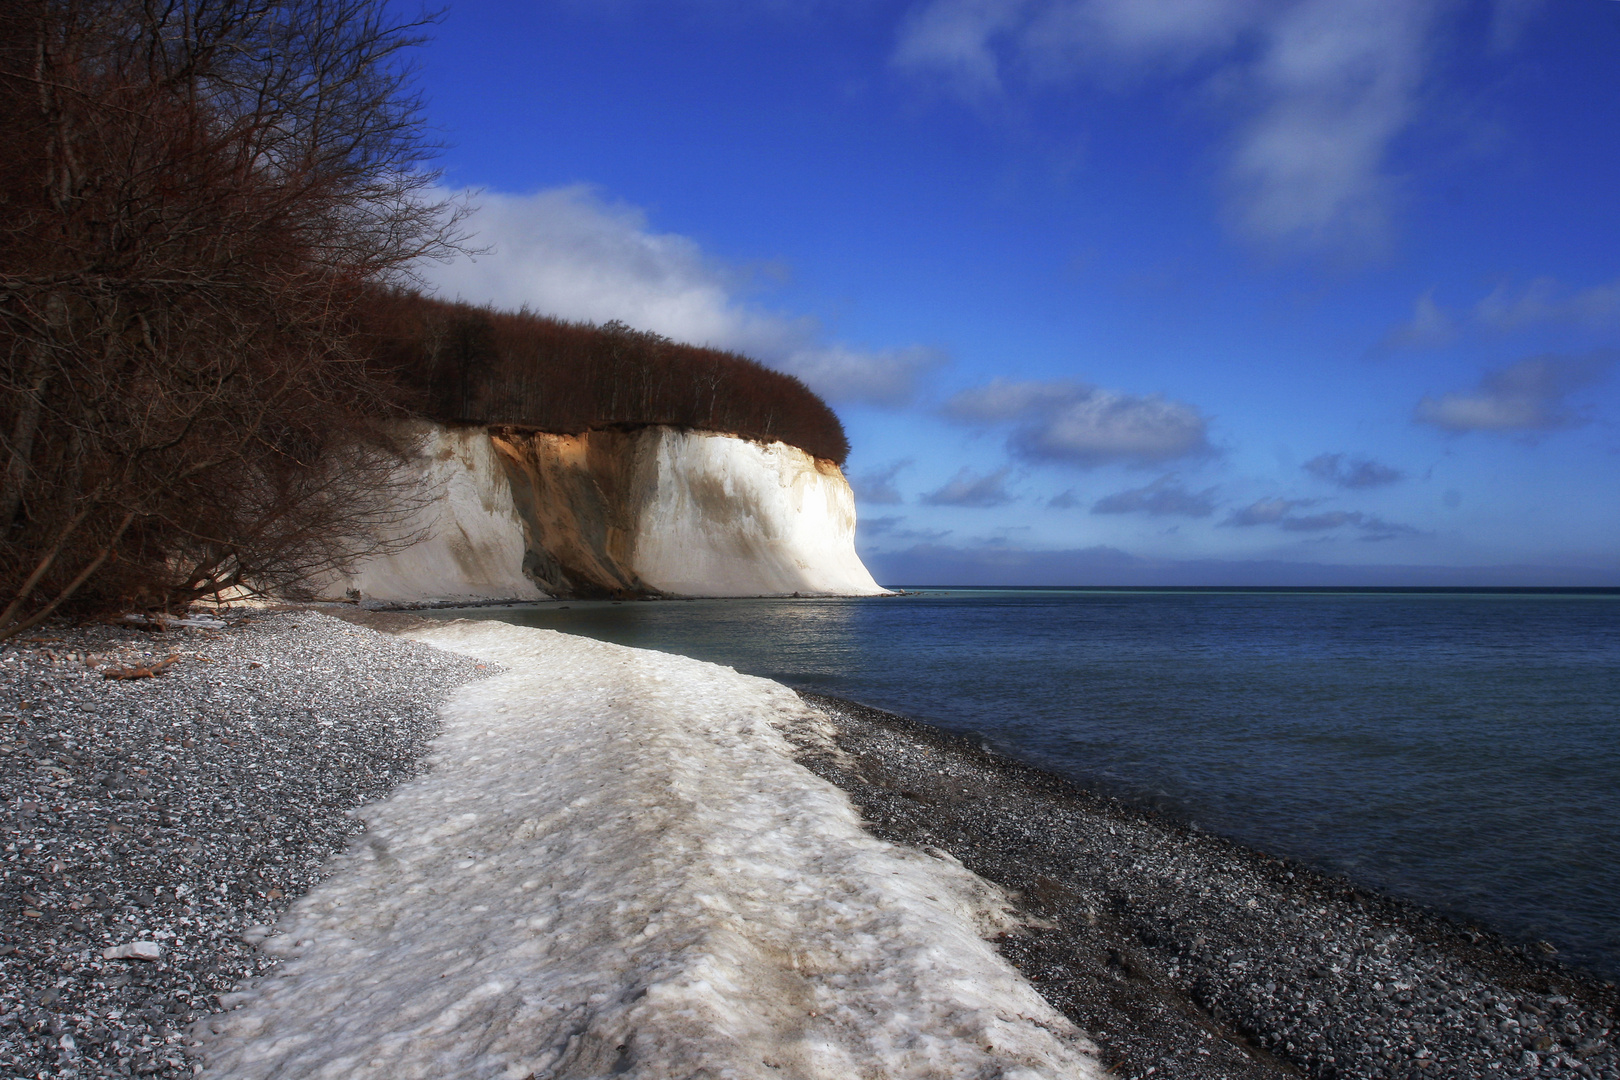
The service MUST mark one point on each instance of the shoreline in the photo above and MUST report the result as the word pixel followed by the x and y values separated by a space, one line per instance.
pixel 614 865
pixel 184 811
pixel 1195 956
pixel 1180 953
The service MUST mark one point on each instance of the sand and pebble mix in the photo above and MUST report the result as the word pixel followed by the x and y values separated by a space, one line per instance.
pixel 152 827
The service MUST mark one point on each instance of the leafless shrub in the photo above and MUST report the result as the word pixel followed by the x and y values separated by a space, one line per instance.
pixel 194 195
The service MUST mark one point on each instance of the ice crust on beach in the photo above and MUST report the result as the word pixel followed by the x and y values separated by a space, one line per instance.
pixel 615 867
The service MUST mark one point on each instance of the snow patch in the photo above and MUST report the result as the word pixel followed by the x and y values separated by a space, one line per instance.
pixel 615 867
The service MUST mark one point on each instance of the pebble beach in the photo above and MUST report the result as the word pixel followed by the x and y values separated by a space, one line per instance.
pixel 174 817
pixel 156 828
pixel 1186 955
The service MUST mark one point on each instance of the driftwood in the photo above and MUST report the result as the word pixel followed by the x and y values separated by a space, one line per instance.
pixel 151 623
pixel 139 672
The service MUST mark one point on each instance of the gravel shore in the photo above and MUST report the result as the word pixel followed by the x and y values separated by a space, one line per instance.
pixel 1186 955
pixel 175 816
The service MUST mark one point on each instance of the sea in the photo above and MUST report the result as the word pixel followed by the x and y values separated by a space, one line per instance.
pixel 1457 748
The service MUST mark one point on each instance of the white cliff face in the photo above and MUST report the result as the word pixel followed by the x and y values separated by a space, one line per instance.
pixel 728 517
pixel 520 515
pixel 473 547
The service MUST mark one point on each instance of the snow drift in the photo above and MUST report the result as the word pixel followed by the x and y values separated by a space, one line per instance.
pixel 616 868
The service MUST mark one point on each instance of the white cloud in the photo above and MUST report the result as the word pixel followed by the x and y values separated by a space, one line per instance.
pixel 967 489
pixel 1001 400
pixel 1137 31
pixel 1544 300
pixel 878 487
pixel 891 529
pixel 1430 327
pixel 1322 87
pixel 1063 500
pixel 1372 526
pixel 1165 497
pixel 1084 425
pixel 970 42
pixel 877 377
pixel 1507 309
pixel 1338 81
pixel 1529 396
pixel 1354 473
pixel 953 38
pixel 1280 512
pixel 1267 511
pixel 571 253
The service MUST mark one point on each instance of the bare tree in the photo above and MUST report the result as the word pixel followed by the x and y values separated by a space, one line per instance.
pixel 194 197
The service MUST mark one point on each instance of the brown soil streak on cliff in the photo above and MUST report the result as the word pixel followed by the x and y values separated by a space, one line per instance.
pixel 580 497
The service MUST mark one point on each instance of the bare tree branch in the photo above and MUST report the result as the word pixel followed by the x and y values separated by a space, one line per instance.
pixel 195 195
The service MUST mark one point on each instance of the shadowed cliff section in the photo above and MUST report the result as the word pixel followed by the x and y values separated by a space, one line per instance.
pixel 476 365
pixel 579 497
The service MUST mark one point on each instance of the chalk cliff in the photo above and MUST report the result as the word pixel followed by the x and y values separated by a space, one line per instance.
pixel 623 513
pixel 473 548
pixel 656 510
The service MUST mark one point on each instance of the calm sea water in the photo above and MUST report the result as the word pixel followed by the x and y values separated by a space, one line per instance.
pixel 1459 749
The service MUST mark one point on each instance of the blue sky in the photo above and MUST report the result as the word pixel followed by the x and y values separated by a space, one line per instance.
pixel 1220 291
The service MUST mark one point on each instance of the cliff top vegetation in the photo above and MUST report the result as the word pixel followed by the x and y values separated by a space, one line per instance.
pixel 466 364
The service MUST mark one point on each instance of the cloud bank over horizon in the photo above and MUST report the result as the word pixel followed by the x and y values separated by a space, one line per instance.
pixel 930 563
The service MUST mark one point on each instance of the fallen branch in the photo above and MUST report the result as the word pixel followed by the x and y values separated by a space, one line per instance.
pixel 151 623
pixel 140 672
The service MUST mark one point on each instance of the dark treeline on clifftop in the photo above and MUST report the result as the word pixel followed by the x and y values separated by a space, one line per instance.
pixel 470 364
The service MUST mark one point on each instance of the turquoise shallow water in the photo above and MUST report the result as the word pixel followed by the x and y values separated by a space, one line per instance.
pixel 1459 749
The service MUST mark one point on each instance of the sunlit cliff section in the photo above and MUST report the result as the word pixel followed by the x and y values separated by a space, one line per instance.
pixel 663 511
